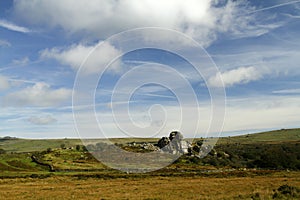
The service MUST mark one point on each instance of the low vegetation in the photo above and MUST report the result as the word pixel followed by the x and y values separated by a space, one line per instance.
pixel 244 167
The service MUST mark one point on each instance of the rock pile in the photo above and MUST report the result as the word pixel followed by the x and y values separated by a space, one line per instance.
pixel 174 143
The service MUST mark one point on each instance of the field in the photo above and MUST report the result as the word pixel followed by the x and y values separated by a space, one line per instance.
pixel 68 187
pixel 256 166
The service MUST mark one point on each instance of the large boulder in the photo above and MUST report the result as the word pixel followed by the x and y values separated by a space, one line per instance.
pixel 165 145
pixel 175 135
pixel 173 144
pixel 176 140
pixel 164 141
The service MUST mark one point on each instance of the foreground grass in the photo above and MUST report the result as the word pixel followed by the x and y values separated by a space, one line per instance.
pixel 147 187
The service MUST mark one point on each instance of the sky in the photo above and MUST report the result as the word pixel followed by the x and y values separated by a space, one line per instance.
pixel 65 71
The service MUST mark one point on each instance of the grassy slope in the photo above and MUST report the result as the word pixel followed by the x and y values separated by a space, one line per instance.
pixel 284 135
pixel 72 184
pixel 29 145
pixel 25 145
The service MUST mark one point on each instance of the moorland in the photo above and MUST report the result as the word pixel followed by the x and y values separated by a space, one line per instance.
pixel 252 166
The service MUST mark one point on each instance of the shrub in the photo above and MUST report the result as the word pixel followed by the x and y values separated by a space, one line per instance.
pixel 2 151
pixel 62 146
pixel 49 150
pixel 255 196
pixel 78 147
pixel 286 192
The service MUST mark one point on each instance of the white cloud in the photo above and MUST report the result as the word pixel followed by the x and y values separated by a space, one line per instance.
pixel 237 76
pixel 37 122
pixel 263 112
pixel 4 83
pixel 12 27
pixel 22 61
pixel 200 19
pixel 39 94
pixel 292 16
pixel 249 113
pixel 4 43
pixel 41 120
pixel 279 58
pixel 75 55
pixel 278 4
pixel 287 91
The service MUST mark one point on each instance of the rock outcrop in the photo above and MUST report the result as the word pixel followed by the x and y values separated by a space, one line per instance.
pixel 174 143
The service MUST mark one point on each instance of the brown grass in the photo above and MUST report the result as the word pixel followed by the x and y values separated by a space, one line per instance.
pixel 67 187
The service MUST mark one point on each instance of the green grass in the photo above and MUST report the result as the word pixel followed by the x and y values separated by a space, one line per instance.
pixel 18 162
pixel 278 136
pixel 29 145
pixel 78 173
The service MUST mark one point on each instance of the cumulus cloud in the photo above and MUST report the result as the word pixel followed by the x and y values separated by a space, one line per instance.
pixel 4 83
pixel 102 18
pixel 233 77
pixel 75 55
pixel 41 120
pixel 39 94
pixel 4 43
pixel 12 27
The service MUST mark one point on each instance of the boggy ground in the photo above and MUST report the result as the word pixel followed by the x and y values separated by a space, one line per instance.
pixel 206 186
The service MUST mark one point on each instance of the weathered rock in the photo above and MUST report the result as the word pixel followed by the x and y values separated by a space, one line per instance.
pixel 164 141
pixel 174 143
pixel 176 139
pixel 150 147
pixel 175 135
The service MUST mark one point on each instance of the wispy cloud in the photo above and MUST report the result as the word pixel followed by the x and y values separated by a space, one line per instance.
pixel 275 6
pixel 292 16
pixel 13 27
pixel 4 43
pixel 41 120
pixel 4 83
pixel 287 91
pixel 22 61
pixel 262 112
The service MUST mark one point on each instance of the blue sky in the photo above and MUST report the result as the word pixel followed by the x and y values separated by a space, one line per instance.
pixel 254 44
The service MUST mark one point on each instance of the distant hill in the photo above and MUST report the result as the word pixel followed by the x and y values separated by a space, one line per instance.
pixel 29 145
pixel 11 144
pixel 277 136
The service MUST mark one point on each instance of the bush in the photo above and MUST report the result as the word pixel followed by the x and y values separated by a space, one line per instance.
pixel 78 147
pixel 287 192
pixel 2 151
pixel 63 146
pixel 255 196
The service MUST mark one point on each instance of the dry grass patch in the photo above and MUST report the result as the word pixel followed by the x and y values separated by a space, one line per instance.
pixel 63 187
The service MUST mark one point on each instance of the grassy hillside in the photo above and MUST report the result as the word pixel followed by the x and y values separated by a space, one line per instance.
pixel 270 150
pixel 28 145
pixel 251 166
pixel 283 135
